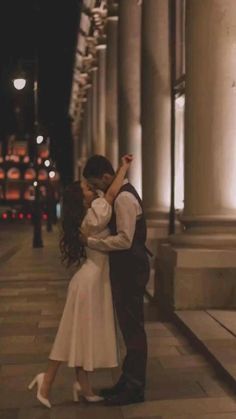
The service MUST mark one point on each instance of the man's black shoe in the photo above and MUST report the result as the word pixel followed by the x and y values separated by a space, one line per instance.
pixel 125 397
pixel 112 391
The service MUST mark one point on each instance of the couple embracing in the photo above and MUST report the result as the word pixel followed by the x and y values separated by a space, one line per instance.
pixel 104 233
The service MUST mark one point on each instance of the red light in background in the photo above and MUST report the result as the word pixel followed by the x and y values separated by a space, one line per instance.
pixel 45 216
pixel 4 216
pixel 20 216
pixel 13 215
pixel 29 216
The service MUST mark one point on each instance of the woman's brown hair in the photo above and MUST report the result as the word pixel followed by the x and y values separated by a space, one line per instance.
pixel 73 212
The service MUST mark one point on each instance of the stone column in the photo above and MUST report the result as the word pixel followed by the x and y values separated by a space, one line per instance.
pixel 111 92
pixel 101 103
pixel 94 100
pixel 156 114
pixel 129 46
pixel 210 124
pixel 89 122
pixel 199 269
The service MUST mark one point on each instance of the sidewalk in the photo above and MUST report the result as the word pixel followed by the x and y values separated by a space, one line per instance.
pixel 181 384
pixel 214 331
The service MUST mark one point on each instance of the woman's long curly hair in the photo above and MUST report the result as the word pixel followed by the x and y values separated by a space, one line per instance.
pixel 73 212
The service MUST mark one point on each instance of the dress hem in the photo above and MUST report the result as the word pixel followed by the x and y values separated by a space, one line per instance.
pixel 81 366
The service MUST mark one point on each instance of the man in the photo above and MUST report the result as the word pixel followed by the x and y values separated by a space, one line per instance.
pixel 129 272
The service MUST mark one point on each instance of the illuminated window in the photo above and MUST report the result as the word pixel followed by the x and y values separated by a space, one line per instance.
pixel 13 173
pixel 43 151
pixel 177 33
pixel 12 191
pixel 43 174
pixel 20 148
pixel 30 174
pixel 29 193
pixel 2 174
pixel 179 152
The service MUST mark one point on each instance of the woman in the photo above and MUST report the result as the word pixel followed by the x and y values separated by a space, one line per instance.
pixel 86 337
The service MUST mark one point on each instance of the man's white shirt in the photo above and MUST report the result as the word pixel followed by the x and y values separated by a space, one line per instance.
pixel 127 210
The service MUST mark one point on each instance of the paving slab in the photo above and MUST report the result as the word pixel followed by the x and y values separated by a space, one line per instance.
pixel 187 361
pixel 9 414
pixel 204 326
pixel 180 407
pixel 227 318
pixel 220 342
pixel 207 416
pixel 69 411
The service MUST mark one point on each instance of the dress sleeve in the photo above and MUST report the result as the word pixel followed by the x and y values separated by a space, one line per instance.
pixel 99 215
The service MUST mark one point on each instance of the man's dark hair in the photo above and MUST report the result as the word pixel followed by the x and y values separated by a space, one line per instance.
pixel 97 166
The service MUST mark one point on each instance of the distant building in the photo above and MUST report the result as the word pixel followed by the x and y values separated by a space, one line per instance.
pixel 18 173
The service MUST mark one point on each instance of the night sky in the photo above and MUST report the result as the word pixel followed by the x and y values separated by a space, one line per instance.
pixel 47 28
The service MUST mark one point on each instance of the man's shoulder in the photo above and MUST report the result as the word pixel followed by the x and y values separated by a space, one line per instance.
pixel 128 187
pixel 128 195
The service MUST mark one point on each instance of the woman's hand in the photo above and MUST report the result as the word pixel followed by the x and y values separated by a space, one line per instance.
pixel 126 160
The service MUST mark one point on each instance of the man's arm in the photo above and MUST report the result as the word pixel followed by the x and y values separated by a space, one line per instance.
pixel 127 209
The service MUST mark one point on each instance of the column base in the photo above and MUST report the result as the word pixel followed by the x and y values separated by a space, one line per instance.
pixel 157 233
pixel 189 278
pixel 219 241
pixel 214 231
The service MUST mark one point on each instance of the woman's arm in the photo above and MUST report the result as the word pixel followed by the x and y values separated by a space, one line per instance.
pixel 119 178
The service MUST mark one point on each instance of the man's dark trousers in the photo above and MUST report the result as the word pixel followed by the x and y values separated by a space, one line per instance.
pixel 129 273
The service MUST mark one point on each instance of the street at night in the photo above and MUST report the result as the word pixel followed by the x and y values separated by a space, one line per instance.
pixel 117 209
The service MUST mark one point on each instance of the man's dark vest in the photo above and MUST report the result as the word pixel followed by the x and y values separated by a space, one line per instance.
pixel 137 253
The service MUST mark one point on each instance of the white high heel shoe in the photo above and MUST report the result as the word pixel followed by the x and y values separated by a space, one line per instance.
pixel 77 392
pixel 38 379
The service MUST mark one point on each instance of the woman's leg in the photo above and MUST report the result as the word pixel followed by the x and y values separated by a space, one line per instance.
pixel 49 377
pixel 83 379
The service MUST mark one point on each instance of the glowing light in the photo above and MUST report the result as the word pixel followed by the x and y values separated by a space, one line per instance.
pixel 47 163
pixel 52 174
pixel 39 139
pixel 179 152
pixel 20 216
pixel 35 183
pixel 4 216
pixel 19 84
pixel 29 216
pixel 45 217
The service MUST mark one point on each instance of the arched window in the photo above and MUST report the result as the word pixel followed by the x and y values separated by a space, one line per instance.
pixel 43 174
pixel 29 193
pixel 13 173
pixel 2 173
pixel 30 174
pixel 12 191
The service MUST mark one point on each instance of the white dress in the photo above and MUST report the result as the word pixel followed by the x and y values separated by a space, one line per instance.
pixel 86 335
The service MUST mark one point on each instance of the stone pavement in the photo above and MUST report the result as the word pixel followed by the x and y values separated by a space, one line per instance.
pixel 181 384
pixel 215 332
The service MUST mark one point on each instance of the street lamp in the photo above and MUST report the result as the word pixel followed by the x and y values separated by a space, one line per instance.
pixel 19 83
pixel 52 174
pixel 39 139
